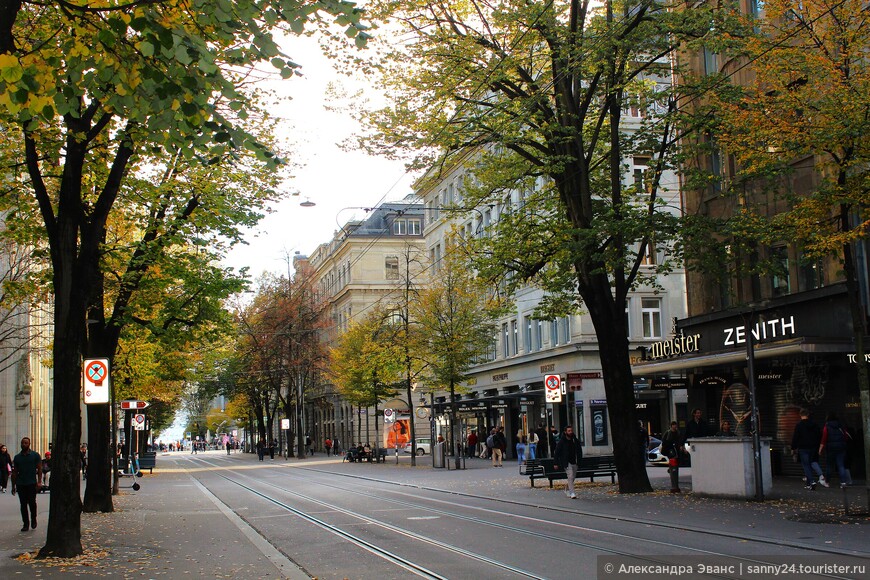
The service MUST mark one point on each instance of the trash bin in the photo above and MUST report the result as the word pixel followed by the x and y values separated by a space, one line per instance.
pixel 438 455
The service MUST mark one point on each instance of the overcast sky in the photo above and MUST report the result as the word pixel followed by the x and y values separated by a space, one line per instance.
pixel 331 178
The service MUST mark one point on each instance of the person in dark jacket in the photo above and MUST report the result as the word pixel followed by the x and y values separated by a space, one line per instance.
pixel 805 443
pixel 696 427
pixel 568 454
pixel 834 439
pixel 672 445
pixel 5 468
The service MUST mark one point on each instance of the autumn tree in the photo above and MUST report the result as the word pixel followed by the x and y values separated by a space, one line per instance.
pixel 90 88
pixel 534 98
pixel 795 96
pixel 453 316
pixel 368 360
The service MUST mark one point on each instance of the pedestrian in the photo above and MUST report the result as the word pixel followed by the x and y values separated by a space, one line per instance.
pixel 532 448
pixel 725 430
pixel 26 481
pixel 273 444
pixel 261 449
pixel 5 468
pixel 522 442
pixel 308 445
pixel 568 455
pixel 805 443
pixel 544 449
pixel 471 444
pixel 83 452
pixel 644 441
pixel 834 440
pixel 672 446
pixel 696 427
pixel 500 446
pixel 491 447
pixel 328 445
pixel 46 470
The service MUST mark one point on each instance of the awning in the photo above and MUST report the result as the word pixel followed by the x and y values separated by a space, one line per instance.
pixel 783 348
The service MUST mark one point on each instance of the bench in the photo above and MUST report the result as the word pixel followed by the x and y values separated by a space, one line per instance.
pixel 598 465
pixel 590 467
pixel 148 460
pixel 380 454
pixel 531 467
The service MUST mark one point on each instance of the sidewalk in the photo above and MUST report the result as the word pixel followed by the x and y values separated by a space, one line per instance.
pixel 170 528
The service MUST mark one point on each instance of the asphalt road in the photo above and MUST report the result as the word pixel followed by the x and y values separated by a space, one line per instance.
pixel 355 521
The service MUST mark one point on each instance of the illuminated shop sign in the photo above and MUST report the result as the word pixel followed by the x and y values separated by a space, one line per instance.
pixel 680 344
pixel 763 329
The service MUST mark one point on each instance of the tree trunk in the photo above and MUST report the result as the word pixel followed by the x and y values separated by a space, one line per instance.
pixel 98 488
pixel 618 387
pixel 63 536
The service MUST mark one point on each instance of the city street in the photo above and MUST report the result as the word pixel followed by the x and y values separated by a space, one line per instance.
pixel 215 515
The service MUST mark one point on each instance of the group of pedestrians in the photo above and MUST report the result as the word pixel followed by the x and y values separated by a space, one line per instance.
pixel 809 441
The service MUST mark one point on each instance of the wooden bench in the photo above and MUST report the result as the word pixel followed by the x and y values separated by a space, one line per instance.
pixel 590 467
pixel 599 465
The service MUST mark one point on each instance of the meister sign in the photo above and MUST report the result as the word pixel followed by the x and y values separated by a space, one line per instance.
pixel 680 344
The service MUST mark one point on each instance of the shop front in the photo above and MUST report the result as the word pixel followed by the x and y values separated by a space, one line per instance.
pixel 801 347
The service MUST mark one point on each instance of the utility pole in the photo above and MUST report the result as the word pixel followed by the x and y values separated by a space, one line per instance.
pixel 407 323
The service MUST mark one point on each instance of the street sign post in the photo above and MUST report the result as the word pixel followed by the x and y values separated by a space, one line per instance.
pixel 95 380
pixel 553 388
pixel 389 416
pixel 133 405
pixel 139 422
pixel 285 424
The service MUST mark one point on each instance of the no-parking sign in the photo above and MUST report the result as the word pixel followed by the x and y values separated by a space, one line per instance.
pixel 553 388
pixel 139 422
pixel 389 416
pixel 95 379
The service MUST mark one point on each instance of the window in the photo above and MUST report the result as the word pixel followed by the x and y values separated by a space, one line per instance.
pixel 811 275
pixel 515 336
pixel 414 228
pixel 554 333
pixel 505 341
pixel 537 334
pixel 640 170
pixel 779 279
pixel 649 254
pixel 527 334
pixel 400 227
pixel 651 313
pixel 628 317
pixel 391 265
pixel 564 330
pixel 711 62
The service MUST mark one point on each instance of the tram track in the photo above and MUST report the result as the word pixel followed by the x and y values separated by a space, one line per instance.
pixel 656 545
pixel 682 527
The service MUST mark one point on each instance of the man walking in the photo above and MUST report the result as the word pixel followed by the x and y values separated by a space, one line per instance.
pixel 568 454
pixel 26 481
pixel 805 443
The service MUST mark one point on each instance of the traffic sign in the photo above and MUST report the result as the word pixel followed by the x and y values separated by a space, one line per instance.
pixel 285 424
pixel 132 405
pixel 95 379
pixel 389 416
pixel 553 388
pixel 139 422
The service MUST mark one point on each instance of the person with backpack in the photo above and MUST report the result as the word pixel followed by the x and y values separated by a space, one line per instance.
pixel 490 445
pixel 804 442
pixel 834 438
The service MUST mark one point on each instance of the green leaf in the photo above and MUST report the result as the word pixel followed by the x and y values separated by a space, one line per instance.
pixel 146 48
pixel 182 55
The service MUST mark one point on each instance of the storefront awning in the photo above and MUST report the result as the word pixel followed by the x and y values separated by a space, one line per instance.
pixel 784 348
